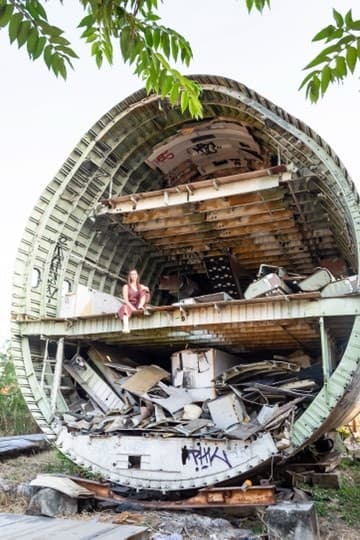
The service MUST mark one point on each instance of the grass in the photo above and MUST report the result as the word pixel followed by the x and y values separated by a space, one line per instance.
pixel 15 418
pixel 60 464
pixel 343 503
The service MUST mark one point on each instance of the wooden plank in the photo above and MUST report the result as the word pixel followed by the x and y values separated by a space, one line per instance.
pixel 15 527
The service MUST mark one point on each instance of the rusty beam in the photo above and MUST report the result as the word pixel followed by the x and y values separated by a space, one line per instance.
pixel 205 498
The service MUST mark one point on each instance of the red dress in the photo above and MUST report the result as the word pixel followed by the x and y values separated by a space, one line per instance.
pixel 134 297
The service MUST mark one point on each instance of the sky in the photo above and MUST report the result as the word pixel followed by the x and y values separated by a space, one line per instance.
pixel 43 118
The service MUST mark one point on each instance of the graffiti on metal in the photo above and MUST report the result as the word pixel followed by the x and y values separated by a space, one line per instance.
pixel 204 457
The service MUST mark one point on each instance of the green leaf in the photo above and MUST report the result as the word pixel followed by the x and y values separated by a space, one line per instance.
pixel 48 55
pixel 39 47
pixel 94 48
pixel 174 48
pixel 99 58
pixel 314 89
pixel 184 101
pixel 165 44
pixel 91 31
pixel 339 32
pixel 156 38
pixel 174 94
pixel 67 51
pixel 108 51
pixel 326 76
pixel 340 69
pixel 36 10
pixel 323 56
pixel 62 68
pixel 348 19
pixel 125 44
pixel 23 33
pixel 351 58
pixel 50 30
pixel 338 18
pixel 6 14
pixel 59 40
pixel 32 41
pixel 307 78
pixel 355 25
pixel 148 36
pixel 14 26
pixel 88 20
pixel 318 60
pixel 324 33
pixel 166 85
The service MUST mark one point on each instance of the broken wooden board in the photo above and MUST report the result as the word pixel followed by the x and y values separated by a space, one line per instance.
pixel 15 526
pixel 61 483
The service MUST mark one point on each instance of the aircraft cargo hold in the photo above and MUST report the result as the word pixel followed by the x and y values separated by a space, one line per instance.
pixel 245 226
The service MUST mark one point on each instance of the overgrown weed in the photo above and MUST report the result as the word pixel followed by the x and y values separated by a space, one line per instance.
pixel 15 418
pixel 343 503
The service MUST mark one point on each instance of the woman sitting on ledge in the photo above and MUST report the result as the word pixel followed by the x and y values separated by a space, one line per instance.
pixel 135 296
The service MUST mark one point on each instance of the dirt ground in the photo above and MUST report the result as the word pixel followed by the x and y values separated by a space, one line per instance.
pixel 22 469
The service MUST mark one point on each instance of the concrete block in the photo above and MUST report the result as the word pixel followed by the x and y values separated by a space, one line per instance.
pixel 292 521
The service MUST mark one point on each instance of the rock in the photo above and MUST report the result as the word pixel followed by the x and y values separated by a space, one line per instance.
pixel 129 506
pixel 49 502
pixel 26 491
pixel 198 526
pixel 292 521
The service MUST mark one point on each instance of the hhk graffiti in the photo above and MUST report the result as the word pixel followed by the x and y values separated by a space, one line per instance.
pixel 204 457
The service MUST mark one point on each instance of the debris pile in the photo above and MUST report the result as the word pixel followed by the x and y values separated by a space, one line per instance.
pixel 208 394
pixel 275 280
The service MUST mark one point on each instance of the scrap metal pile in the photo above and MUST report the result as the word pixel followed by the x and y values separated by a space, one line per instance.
pixel 208 394
pixel 275 280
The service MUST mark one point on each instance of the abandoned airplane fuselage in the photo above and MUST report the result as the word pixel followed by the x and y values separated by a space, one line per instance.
pixel 246 228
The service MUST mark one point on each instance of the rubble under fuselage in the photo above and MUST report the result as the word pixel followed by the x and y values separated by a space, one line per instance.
pixel 160 416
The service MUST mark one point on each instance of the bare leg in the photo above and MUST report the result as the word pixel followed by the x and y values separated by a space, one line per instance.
pixel 125 323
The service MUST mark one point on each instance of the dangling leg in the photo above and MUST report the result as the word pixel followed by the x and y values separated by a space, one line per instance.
pixel 125 324
pixel 124 314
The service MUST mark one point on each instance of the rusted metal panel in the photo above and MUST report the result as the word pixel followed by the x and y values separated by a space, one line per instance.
pixel 231 497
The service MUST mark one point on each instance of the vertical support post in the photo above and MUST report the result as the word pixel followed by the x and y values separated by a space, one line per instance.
pixel 325 353
pixel 45 361
pixel 57 374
